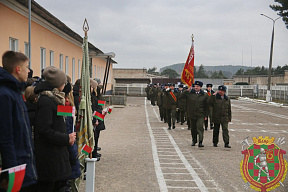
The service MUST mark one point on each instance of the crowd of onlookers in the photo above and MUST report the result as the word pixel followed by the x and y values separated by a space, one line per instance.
pixel 32 133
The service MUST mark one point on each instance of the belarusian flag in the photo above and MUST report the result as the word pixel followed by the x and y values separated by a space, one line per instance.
pixel 66 110
pixel 16 177
pixel 102 103
pixel 99 116
pixel 86 149
pixel 109 110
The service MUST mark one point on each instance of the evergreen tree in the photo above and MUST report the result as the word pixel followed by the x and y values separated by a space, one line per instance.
pixel 282 9
pixel 201 72
pixel 240 72
pixel 152 71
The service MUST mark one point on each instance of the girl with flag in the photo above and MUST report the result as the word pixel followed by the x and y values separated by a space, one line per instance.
pixel 51 138
pixel 96 106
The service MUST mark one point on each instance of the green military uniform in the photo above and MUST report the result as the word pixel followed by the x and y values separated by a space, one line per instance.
pixel 221 116
pixel 210 116
pixel 147 89
pixel 164 101
pixel 170 106
pixel 197 109
pixel 181 105
pixel 160 103
pixel 153 95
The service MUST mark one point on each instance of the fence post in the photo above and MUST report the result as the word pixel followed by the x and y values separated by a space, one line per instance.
pixel 141 89
pixel 127 89
pixel 241 87
pixel 280 94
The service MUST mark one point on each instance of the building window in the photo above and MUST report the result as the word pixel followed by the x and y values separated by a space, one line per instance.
pixel 26 49
pixel 42 58
pixel 66 65
pixel 51 58
pixel 61 61
pixel 13 44
pixel 95 71
pixel 73 70
pixel 79 69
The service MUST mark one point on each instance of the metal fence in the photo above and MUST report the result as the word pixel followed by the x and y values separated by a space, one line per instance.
pixel 252 91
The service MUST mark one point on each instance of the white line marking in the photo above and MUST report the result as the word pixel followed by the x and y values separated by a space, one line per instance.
pixel 158 170
pixel 156 115
pixel 173 168
pixel 178 180
pixel 193 173
pixel 172 163
pixel 176 173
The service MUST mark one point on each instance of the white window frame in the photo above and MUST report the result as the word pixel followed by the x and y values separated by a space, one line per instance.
pixel 73 70
pixel 79 69
pixel 26 49
pixel 66 65
pixel 61 61
pixel 51 58
pixel 42 58
pixel 13 44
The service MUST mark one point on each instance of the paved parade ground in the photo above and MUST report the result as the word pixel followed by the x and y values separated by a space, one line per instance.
pixel 140 154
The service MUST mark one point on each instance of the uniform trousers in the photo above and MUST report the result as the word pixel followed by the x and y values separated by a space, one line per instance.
pixel 225 132
pixel 197 129
pixel 164 114
pixel 171 114
pixel 210 118
pixel 161 112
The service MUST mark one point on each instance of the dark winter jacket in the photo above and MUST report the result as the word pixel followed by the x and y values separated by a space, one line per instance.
pixel 98 108
pixel 76 96
pixel 181 104
pixel 73 152
pixel 51 139
pixel 16 146
pixel 221 108
pixel 197 106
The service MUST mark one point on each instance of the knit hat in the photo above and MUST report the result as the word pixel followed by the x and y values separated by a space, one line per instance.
pixel 93 83
pixel 54 76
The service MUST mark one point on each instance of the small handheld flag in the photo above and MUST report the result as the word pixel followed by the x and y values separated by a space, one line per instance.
pixel 102 103
pixel 109 110
pixel 66 110
pixel 15 177
pixel 99 116
pixel 86 149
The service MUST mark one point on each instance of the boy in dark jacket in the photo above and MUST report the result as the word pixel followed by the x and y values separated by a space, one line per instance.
pixel 16 146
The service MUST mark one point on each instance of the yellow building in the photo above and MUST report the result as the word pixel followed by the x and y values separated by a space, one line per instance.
pixel 52 42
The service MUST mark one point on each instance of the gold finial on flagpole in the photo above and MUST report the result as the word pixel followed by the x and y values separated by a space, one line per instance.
pixel 85 26
pixel 192 36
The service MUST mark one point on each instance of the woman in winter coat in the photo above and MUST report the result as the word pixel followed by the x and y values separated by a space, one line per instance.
pixel 51 138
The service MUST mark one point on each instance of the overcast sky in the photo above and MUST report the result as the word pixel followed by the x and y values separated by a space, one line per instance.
pixel 147 33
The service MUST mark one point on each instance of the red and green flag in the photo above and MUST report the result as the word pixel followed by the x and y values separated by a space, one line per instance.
pixel 102 103
pixel 109 110
pixel 99 116
pixel 15 177
pixel 66 110
pixel 86 149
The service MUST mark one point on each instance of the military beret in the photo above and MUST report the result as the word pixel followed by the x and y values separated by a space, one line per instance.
pixel 222 88
pixel 209 85
pixel 180 86
pixel 198 83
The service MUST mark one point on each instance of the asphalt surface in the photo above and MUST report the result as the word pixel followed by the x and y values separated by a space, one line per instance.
pixel 140 154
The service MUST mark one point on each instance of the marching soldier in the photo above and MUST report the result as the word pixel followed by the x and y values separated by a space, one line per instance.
pixel 147 91
pixel 181 104
pixel 188 119
pixel 153 94
pixel 171 102
pixel 209 92
pixel 164 102
pixel 197 109
pixel 221 114
pixel 160 101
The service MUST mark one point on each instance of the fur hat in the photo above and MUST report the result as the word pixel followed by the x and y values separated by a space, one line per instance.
pixel 209 85
pixel 93 83
pixel 198 83
pixel 222 88
pixel 54 76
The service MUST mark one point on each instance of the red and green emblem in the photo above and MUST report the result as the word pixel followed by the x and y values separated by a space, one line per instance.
pixel 263 167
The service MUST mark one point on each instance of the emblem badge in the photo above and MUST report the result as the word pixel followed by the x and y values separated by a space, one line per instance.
pixel 263 167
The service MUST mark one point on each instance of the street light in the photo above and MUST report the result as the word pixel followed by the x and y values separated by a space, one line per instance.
pixel 268 95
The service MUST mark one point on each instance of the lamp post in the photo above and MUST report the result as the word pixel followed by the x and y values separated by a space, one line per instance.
pixel 268 95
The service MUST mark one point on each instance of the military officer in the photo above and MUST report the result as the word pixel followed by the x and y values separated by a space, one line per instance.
pixel 147 91
pixel 160 101
pixel 153 94
pixel 221 115
pixel 171 102
pixel 209 92
pixel 164 102
pixel 197 109
pixel 181 105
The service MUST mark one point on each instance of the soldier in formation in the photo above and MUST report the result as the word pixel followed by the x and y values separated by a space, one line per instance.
pixel 209 92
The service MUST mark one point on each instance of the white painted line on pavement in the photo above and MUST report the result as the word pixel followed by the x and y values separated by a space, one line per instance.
pixel 158 170
pixel 178 180
pixel 193 173
pixel 176 173
pixel 156 115
pixel 173 163
pixel 173 168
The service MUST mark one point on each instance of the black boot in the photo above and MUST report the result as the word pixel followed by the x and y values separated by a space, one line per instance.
pixel 227 145
pixel 193 144
pixel 215 145
pixel 200 144
pixel 173 127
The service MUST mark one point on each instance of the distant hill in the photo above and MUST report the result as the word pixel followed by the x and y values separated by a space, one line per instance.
pixel 228 70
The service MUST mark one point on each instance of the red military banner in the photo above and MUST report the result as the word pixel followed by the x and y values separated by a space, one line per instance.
pixel 187 76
